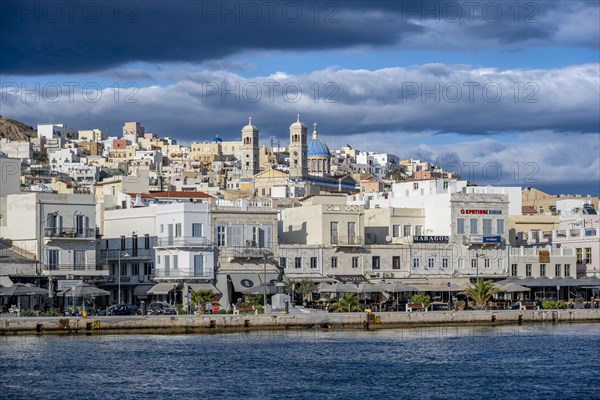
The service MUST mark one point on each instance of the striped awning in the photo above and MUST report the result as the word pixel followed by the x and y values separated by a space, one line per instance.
pixel 203 286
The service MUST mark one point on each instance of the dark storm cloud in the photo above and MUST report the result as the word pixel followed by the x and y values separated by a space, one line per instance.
pixel 41 37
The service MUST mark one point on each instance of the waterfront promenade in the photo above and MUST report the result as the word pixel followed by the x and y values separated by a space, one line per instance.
pixel 230 323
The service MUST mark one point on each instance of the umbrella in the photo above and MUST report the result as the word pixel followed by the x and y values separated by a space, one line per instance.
pixel 85 290
pixel 370 288
pixel 22 289
pixel 338 288
pixel 260 289
pixel 512 288
pixel 398 287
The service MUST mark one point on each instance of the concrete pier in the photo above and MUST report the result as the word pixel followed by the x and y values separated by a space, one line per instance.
pixel 232 323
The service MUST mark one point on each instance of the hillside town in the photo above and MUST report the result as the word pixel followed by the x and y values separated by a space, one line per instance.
pixel 148 219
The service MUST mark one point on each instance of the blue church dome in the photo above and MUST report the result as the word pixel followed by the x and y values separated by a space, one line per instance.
pixel 316 147
pixel 217 139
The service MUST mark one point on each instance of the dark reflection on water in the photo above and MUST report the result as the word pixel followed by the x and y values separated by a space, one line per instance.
pixel 530 361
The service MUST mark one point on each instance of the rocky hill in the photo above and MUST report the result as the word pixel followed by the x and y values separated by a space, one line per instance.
pixel 15 131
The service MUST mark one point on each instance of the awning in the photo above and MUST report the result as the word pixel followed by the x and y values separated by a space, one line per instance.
pixel 5 281
pixel 350 278
pixel 162 288
pixel 203 286
pixel 309 277
pixel 546 282
pixel 440 285
pixel 250 280
pixel 141 290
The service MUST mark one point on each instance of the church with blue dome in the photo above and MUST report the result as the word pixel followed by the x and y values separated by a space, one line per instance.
pixel 318 155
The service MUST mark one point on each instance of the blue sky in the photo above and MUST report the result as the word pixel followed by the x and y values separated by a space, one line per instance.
pixel 370 61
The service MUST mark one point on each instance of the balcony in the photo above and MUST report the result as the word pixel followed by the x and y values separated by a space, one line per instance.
pixel 70 233
pixel 76 269
pixel 187 241
pixel 182 274
pixel 126 255
pixel 248 252
pixel 347 241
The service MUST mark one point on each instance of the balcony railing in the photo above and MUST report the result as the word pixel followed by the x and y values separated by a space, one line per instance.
pixel 347 240
pixel 248 252
pixel 179 273
pixel 183 241
pixel 70 233
pixel 127 254
pixel 75 267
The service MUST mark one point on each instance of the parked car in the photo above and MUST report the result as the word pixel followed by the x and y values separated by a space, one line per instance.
pixel 122 309
pixel 161 308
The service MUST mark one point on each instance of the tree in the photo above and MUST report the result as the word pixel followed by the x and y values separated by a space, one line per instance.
pixel 201 298
pixel 347 302
pixel 421 299
pixel 481 291
pixel 306 287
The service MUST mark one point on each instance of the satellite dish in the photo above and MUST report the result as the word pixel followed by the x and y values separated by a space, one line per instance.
pixel 388 238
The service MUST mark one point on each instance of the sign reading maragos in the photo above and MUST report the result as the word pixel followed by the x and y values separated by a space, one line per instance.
pixel 430 239
pixel 544 256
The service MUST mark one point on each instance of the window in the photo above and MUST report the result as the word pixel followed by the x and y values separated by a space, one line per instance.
pixel 473 225
pixel 134 246
pixel 146 241
pixel 461 263
pixel 147 268
pixel 542 270
pixel 313 262
pixel 460 226
pixel 196 230
pixel 557 270
pixel 415 186
pixel 158 260
pixel 487 226
pixel 283 262
pixel 416 262
pixel 221 235
pixel 135 269
pixel 500 263
pixel 445 261
pixel 162 228
pixel 396 230
pixel 513 270
pixel 80 224
pixel 431 262
pixel 528 270
pixel 198 265
pixel 175 261
pixel 579 253
pixel 79 259
pixel 567 270
pixel 334 262
pixel 406 230
pixel 418 230
pixel 167 265
pixel 177 230
pixel 354 262
pixel 123 243
pixel 473 262
pixel 500 226
pixel 334 232
pixel 123 269
pixel 486 263
pixel 351 232
pixel 53 223
pixel 375 262
pixel 395 262
pixel 588 255
pixel 298 262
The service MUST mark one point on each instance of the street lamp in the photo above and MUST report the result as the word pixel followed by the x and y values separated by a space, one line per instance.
pixel 119 279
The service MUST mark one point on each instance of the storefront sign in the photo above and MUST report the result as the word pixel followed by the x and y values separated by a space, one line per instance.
pixel 492 239
pixel 483 212
pixel 430 239
pixel 67 284
pixel 476 239
pixel 544 256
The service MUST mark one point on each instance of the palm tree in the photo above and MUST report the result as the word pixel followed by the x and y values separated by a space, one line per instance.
pixel 306 287
pixel 481 291
pixel 347 302
pixel 202 297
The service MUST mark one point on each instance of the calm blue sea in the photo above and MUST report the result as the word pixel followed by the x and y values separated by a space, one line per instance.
pixel 515 362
